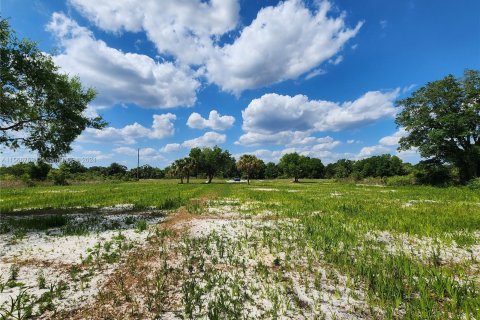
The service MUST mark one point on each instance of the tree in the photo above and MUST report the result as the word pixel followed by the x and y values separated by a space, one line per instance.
pixel 271 171
pixel 177 169
pixel 443 121
pixel 40 170
pixel 190 166
pixel 314 168
pixel 116 169
pixel 72 167
pixel 293 165
pixel 212 161
pixel 249 164
pixel 42 109
pixel 384 165
pixel 196 154
pixel 341 169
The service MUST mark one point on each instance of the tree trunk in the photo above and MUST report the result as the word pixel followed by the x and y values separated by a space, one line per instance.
pixel 188 179
pixel 181 180
pixel 210 177
pixel 295 180
pixel 248 179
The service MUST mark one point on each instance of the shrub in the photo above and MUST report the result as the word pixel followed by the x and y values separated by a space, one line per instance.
pixel 398 181
pixel 58 177
pixel 433 172
pixel 474 184
pixel 27 180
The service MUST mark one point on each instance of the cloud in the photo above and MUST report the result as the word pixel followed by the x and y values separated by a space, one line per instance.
pixel 277 119
pixel 366 152
pixel 162 127
pixel 287 138
pixel 215 121
pixel 336 61
pixel 185 29
pixel 209 139
pixel 393 139
pixel 99 155
pixel 117 76
pixel 145 153
pixel 282 42
pixel 171 147
pixel 314 73
pixel 383 24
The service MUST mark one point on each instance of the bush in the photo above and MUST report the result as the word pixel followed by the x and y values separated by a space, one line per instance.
pixel 433 172
pixel 27 180
pixel 398 181
pixel 58 177
pixel 474 184
pixel 39 170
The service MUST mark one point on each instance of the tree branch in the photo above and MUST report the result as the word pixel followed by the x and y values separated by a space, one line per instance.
pixel 20 123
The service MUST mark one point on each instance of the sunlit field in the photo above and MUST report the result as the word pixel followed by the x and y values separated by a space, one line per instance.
pixel 317 249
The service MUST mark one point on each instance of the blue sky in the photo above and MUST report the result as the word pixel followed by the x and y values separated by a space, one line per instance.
pixel 263 77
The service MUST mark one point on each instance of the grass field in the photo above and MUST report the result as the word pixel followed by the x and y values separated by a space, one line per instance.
pixel 272 249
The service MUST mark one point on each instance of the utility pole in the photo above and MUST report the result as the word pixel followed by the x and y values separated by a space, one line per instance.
pixel 138 164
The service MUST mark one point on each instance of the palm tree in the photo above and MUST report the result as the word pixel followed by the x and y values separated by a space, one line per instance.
pixel 249 164
pixel 178 169
pixel 190 164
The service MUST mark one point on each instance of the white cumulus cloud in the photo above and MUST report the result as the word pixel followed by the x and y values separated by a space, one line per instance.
pixel 393 139
pixel 171 147
pixel 215 121
pixel 282 119
pixel 162 127
pixel 209 139
pixel 145 153
pixel 283 42
pixel 117 76
pixel 185 28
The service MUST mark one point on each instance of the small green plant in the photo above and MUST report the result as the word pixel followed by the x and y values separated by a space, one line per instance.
pixel 474 184
pixel 141 225
pixel 13 272
pixel 41 280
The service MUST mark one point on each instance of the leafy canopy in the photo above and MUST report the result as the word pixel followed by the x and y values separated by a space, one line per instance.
pixel 443 121
pixel 42 109
pixel 249 164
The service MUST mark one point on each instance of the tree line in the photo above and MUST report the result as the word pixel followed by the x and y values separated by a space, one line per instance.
pixel 210 163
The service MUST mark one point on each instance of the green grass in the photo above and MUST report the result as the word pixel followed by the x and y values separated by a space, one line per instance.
pixel 333 219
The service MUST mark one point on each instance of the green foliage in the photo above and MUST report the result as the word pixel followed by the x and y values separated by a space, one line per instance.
pixel 474 184
pixel 250 165
pixel 433 172
pixel 211 160
pixel 116 169
pixel 398 181
pixel 343 168
pixel 39 101
pixel 442 120
pixel 39 170
pixel 59 177
pixel 28 170
pixel 378 166
pixel 297 166
pixel 72 167
pixel 272 171
pixel 146 172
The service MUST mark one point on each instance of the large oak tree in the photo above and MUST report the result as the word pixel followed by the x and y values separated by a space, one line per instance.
pixel 443 121
pixel 41 108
